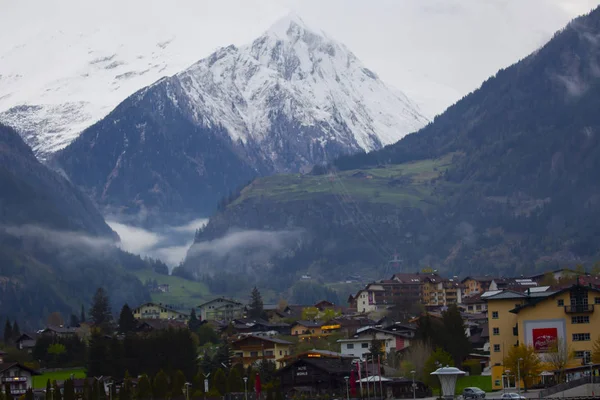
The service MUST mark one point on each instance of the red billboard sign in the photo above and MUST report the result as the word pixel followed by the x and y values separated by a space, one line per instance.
pixel 544 338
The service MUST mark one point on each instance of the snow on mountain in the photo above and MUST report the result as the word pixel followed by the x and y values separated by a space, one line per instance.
pixel 65 64
pixel 289 100
pixel 305 76
pixel 84 71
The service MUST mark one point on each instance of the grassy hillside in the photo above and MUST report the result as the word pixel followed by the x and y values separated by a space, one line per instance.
pixel 408 183
pixel 183 294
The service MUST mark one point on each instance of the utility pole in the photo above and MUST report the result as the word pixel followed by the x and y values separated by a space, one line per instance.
pixel 246 388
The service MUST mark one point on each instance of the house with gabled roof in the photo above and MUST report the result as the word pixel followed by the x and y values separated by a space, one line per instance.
pixel 250 349
pixel 17 377
pixel 307 328
pixel 159 311
pixel 476 284
pixel 26 341
pixel 221 309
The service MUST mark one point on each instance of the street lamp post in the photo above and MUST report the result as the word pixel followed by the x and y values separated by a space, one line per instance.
pixel 591 364
pixel 187 390
pixel 414 385
pixel 346 378
pixel 519 375
pixel 507 375
pixel 246 388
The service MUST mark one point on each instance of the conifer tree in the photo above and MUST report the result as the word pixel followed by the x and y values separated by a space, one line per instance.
pixel 29 394
pixel 177 383
pixel 194 322
pixel 455 340
pixel 219 382
pixel 235 384
pixel 16 331
pixel 144 388
pixel 48 390
pixel 7 391
pixel 82 315
pixel 100 312
pixel 69 390
pixel 56 395
pixel 127 321
pixel 256 306
pixel 160 385
pixel 126 392
pixel 98 355
pixel 87 390
pixel 8 334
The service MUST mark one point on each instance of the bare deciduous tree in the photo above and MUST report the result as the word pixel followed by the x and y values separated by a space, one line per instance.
pixel 558 356
pixel 414 358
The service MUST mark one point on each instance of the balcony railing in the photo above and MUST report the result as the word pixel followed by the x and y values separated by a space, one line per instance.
pixel 579 308
pixel 10 379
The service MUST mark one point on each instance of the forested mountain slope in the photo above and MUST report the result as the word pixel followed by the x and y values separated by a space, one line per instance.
pixel 55 248
pixel 505 181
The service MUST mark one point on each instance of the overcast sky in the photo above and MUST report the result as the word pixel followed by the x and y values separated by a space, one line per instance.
pixel 434 50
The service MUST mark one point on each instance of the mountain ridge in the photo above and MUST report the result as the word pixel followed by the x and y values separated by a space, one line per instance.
pixel 517 190
pixel 272 106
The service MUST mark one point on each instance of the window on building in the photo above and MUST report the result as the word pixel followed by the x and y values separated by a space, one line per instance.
pixel 596 300
pixel 583 354
pixel 581 337
pixel 254 354
pixel 495 314
pixel 496 348
pixel 580 319
pixel 269 353
pixel 280 352
pixel 496 331
pixel 560 302
pixel 350 346
pixel 365 345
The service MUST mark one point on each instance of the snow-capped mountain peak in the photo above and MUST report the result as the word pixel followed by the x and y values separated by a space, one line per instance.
pixel 290 99
pixel 293 72
pixel 289 26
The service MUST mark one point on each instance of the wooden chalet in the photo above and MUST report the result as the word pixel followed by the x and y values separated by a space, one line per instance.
pixel 313 376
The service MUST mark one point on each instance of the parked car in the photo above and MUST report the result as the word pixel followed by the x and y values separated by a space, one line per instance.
pixel 473 393
pixel 512 396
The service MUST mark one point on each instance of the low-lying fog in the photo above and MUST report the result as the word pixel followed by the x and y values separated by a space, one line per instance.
pixel 169 244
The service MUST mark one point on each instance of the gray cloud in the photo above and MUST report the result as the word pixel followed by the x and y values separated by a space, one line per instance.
pixel 261 242
pixel 52 238
pixel 436 51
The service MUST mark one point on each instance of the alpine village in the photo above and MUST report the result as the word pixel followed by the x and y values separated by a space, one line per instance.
pixel 275 222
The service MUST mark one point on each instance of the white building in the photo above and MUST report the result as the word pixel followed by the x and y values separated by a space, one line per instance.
pixel 368 298
pixel 17 376
pixel 359 345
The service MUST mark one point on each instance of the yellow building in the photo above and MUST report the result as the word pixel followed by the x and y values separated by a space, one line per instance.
pixel 476 284
pixel 158 311
pixel 538 318
pixel 251 349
